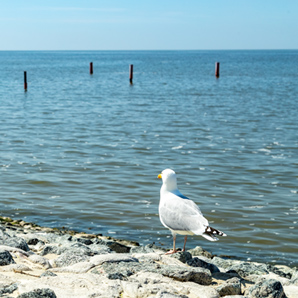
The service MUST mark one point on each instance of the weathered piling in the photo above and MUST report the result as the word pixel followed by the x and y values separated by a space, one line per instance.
pixel 25 81
pixel 91 68
pixel 130 73
pixel 217 69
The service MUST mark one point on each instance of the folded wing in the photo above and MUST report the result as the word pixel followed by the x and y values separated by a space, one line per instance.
pixel 179 213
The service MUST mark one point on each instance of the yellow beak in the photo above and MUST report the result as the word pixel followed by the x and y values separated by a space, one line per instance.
pixel 159 176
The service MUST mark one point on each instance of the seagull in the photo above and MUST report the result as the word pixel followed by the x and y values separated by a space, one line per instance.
pixel 180 214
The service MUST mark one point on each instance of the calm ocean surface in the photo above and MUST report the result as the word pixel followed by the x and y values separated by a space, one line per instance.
pixel 83 152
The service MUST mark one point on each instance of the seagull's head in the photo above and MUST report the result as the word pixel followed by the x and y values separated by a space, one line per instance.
pixel 169 179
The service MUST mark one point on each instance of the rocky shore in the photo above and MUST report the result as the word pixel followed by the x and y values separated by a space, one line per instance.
pixel 38 262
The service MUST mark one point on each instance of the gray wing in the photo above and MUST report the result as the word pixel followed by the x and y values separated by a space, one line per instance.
pixel 179 213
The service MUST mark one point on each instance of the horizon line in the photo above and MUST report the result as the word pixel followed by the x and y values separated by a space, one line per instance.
pixel 140 50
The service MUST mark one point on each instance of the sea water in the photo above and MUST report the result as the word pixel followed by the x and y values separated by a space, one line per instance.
pixel 83 151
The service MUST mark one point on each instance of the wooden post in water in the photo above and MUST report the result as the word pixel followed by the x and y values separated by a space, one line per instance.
pixel 91 68
pixel 130 73
pixel 217 69
pixel 25 80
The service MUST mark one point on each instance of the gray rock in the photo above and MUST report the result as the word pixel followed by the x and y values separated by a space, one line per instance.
pixel 82 248
pixel 49 249
pixel 84 241
pixel 198 275
pixel 81 267
pixel 282 271
pixel 110 258
pixel 245 269
pixel 99 246
pixel 223 263
pixel 149 248
pixel 6 258
pixel 71 257
pixel 199 251
pixel 154 247
pixel 39 293
pixel 98 249
pixel 3 234
pixel 140 250
pixel 65 238
pixel 122 270
pixel 196 262
pixel 36 259
pixel 34 241
pixel 49 237
pixel 47 274
pixel 294 279
pixel 7 288
pixel 69 254
pixel 117 247
pixel 182 256
pixel 225 276
pixel 230 287
pixel 14 242
pixel 117 275
pixel 99 241
pixel 148 258
pixel 266 288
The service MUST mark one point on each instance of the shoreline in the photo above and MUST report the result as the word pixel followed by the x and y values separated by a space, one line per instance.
pixel 38 261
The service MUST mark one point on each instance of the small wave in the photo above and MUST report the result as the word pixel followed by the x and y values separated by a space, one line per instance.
pixel 256 207
pixel 278 156
pixel 264 150
pixel 176 148
pixel 144 201
pixel 294 209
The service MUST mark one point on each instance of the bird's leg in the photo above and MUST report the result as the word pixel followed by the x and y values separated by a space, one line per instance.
pixel 174 246
pixel 174 243
pixel 185 239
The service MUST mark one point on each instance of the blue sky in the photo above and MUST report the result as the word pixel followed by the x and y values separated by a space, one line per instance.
pixel 148 25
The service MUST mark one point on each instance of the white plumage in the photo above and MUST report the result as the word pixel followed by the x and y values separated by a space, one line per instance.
pixel 180 214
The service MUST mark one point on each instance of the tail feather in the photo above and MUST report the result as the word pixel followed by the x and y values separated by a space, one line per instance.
pixel 211 233
pixel 210 237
